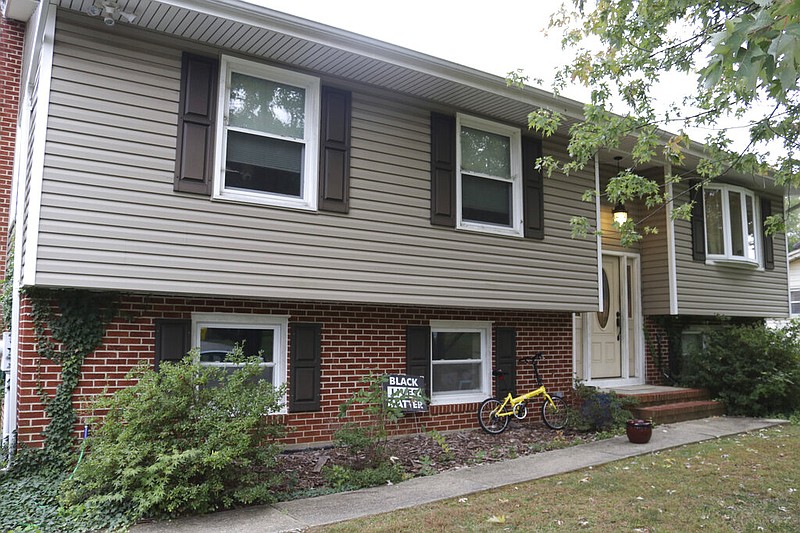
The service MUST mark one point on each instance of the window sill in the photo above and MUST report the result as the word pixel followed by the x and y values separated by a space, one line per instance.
pixel 240 197
pixel 490 230
pixel 734 263
pixel 451 399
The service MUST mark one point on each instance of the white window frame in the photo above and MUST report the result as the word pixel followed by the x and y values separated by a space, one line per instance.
pixel 693 331
pixel 794 291
pixel 279 324
pixel 727 256
pixel 311 85
pixel 515 145
pixel 485 329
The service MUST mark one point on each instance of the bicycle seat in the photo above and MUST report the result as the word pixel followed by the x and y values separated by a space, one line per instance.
pixel 498 373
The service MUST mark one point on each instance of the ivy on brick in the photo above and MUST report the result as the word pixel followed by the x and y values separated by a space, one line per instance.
pixel 8 287
pixel 69 325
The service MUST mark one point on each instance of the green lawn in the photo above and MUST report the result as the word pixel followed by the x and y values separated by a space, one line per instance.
pixel 741 483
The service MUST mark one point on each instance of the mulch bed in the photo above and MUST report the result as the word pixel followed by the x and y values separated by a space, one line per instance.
pixel 421 454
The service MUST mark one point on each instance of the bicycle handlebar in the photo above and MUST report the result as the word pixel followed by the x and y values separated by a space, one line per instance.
pixel 531 358
pixel 498 372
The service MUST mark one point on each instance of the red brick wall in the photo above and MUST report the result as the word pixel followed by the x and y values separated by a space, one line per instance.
pixel 656 345
pixel 11 40
pixel 356 339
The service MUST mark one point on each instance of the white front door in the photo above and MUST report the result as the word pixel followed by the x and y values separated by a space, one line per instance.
pixel 611 348
pixel 607 325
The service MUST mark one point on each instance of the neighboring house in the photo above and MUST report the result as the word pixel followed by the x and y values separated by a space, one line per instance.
pixel 343 205
pixel 794 283
pixel 793 258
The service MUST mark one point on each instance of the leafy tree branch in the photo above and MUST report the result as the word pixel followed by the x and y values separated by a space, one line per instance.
pixel 744 58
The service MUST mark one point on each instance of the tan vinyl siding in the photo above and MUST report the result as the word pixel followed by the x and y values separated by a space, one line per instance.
pixel 655 263
pixel 110 218
pixel 655 269
pixel 709 289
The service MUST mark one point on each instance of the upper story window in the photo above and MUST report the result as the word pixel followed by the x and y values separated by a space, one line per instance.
pixel 489 184
pixel 267 149
pixel 731 224
pixel 794 300
pixel 461 354
pixel 262 336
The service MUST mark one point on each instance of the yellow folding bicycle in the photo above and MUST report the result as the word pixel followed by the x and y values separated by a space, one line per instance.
pixel 494 414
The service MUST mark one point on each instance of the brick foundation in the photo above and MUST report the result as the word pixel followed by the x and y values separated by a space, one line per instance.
pixel 356 340
pixel 12 35
pixel 656 347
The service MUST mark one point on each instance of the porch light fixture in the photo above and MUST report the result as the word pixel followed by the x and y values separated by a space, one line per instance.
pixel 110 12
pixel 620 214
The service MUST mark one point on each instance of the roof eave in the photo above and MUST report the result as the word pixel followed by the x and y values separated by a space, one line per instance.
pixel 18 9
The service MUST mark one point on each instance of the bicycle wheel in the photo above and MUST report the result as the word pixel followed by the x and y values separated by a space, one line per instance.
pixel 555 414
pixel 489 421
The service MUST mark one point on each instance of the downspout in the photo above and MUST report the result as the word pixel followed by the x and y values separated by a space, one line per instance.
pixel 10 414
pixel 786 195
pixel 672 269
pixel 598 236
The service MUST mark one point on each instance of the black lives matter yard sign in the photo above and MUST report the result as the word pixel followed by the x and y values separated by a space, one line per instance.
pixel 406 393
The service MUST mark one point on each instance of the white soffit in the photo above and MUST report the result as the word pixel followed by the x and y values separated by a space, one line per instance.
pixel 18 9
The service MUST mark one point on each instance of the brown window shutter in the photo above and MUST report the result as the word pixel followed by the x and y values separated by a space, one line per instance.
pixel 443 170
pixel 698 221
pixel 769 245
pixel 334 168
pixel 306 367
pixel 418 354
pixel 506 354
pixel 173 340
pixel 533 189
pixel 194 158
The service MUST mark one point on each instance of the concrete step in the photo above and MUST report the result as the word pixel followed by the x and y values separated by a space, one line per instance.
pixel 679 411
pixel 668 395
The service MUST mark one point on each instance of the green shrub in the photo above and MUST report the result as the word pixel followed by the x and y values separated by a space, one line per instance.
pixel 349 478
pixel 447 452
pixel 367 437
pixel 186 439
pixel 755 370
pixel 599 410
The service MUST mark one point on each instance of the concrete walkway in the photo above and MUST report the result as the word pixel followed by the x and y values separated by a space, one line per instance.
pixel 300 514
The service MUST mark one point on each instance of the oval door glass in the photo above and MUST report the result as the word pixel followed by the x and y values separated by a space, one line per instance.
pixel 602 316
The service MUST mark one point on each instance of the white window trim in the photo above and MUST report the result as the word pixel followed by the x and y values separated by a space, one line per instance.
pixel 310 166
pixel 485 329
pixel 515 137
pixel 279 323
pixel 694 331
pixel 791 301
pixel 728 257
